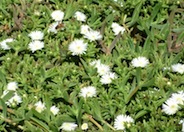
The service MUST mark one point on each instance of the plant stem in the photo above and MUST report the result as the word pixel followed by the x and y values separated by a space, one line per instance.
pixel 138 75
pixel 109 50
pixel 12 123
pixel 95 122
pixel 109 125
pixel 8 110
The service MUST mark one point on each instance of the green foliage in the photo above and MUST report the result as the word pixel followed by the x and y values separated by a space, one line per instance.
pixel 154 29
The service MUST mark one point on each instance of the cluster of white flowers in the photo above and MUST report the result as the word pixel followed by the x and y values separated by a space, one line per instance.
pixel 36 43
pixel 172 105
pixel 4 45
pixel 140 62
pixel 122 122
pixel 57 16
pixel 68 126
pixel 80 16
pixel 104 71
pixel 179 68
pixel 89 91
pixel 15 99
pixel 116 28
pixel 90 34
pixel 40 107
pixel 77 47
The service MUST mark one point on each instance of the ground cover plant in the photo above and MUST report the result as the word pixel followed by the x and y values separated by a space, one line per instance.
pixel 91 65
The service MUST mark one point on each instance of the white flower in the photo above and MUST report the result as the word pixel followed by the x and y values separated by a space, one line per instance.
pixel 14 101
pixel 77 47
pixel 85 29
pixel 36 45
pixel 89 91
pixel 170 107
pixel 84 126
pixel 107 78
pixel 178 68
pixel 3 44
pixel 36 35
pixel 54 110
pixel 123 121
pixel 93 35
pixel 116 28
pixel 140 62
pixel 80 16
pixel 57 15
pixel 52 27
pixel 102 69
pixel 12 86
pixel 68 126
pixel 178 98
pixel 39 106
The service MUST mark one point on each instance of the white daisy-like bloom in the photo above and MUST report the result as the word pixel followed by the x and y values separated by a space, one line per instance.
pixel 170 107
pixel 39 106
pixel 80 16
pixel 14 101
pixel 12 86
pixel 36 35
pixel 102 69
pixel 123 121
pixel 182 122
pixel 52 27
pixel 107 78
pixel 68 126
pixel 89 91
pixel 140 62
pixel 54 110
pixel 178 97
pixel 84 126
pixel 179 68
pixel 4 45
pixel 57 15
pixel 93 35
pixel 116 28
pixel 77 47
pixel 84 29
pixel 36 45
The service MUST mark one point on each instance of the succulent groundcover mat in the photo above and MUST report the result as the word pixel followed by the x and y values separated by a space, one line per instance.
pixel 92 65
